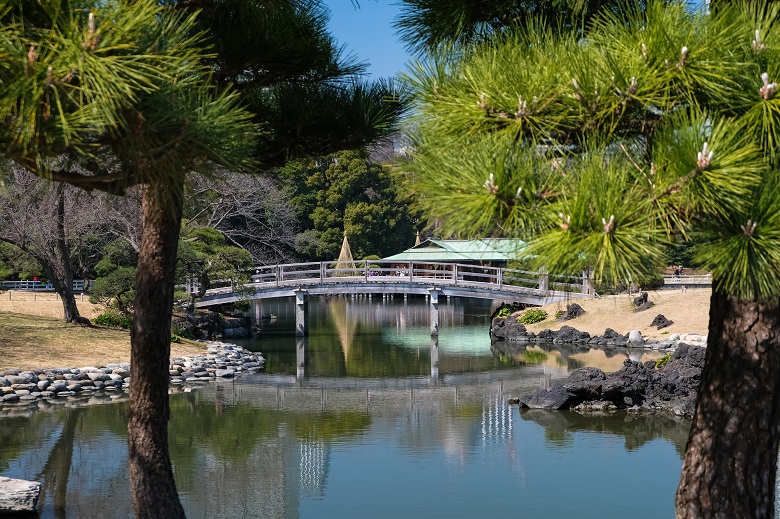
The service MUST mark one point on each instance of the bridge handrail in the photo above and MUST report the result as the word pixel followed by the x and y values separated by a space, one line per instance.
pixel 382 271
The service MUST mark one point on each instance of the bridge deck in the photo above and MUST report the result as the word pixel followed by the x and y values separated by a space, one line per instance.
pixel 373 277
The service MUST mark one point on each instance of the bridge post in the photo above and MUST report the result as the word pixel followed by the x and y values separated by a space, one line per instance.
pixel 544 280
pixel 587 284
pixel 301 329
pixel 435 357
pixel 434 311
pixel 301 348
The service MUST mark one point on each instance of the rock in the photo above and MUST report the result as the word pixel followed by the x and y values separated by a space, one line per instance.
pixel 569 334
pixel 630 381
pixel 43 385
pixel 635 339
pixel 124 373
pixel 98 376
pixel 586 382
pixel 644 306
pixel 572 312
pixel 640 299
pixel 660 321
pixel 507 328
pixel 224 373
pixel 18 495
pixel 556 397
pixel 672 387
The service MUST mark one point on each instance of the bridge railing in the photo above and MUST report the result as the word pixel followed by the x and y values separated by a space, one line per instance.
pixel 393 271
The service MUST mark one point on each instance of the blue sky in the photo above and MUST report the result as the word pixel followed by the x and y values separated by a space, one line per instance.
pixel 368 33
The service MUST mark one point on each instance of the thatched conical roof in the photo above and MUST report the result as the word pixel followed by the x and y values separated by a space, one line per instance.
pixel 345 261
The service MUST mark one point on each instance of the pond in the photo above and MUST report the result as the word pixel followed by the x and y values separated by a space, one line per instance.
pixel 369 429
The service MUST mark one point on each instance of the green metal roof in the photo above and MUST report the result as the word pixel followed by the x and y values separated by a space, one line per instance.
pixel 454 251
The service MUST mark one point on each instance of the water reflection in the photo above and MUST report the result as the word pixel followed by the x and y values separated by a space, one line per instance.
pixel 289 452
pixel 368 415
pixel 364 338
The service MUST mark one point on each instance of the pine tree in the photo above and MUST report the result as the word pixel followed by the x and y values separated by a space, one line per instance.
pixel 123 90
pixel 602 145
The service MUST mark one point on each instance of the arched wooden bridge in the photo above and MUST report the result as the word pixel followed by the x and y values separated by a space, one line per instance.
pixel 381 277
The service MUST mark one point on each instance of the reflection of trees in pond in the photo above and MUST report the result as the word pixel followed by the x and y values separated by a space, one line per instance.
pixel 231 432
pixel 56 472
pixel 329 426
pixel 534 357
pixel 636 428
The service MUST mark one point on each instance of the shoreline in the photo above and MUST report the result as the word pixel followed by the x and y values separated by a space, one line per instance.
pixel 23 388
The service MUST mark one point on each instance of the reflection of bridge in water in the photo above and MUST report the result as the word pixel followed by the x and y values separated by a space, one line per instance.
pixel 387 279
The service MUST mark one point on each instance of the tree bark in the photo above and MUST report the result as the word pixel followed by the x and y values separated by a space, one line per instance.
pixel 152 485
pixel 69 307
pixel 731 457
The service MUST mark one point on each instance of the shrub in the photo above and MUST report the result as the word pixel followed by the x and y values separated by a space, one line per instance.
pixel 532 316
pixel 114 319
pixel 504 311
pixel 660 363
pixel 559 313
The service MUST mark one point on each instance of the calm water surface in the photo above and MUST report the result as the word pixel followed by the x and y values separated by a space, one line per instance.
pixel 368 428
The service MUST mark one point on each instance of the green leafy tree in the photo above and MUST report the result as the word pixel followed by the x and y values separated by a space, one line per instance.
pixel 115 284
pixel 205 255
pixel 600 147
pixel 347 192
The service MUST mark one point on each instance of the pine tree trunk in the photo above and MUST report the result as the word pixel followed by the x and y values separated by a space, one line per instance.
pixel 151 475
pixel 69 307
pixel 731 457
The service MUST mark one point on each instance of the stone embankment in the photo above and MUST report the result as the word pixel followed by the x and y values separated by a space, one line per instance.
pixel 509 329
pixel 667 384
pixel 220 360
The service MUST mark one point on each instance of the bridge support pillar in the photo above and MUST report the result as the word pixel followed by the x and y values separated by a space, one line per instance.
pixel 301 329
pixel 434 312
pixel 300 356
pixel 435 357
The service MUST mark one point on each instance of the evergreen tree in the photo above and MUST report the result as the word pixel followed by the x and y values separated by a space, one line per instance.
pixel 602 146
pixel 123 87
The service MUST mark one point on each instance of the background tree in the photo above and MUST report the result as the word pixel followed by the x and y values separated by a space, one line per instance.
pixel 347 192
pixel 47 222
pixel 601 147
pixel 251 211
pixel 116 272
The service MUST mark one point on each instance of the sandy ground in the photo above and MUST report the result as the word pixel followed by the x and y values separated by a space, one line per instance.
pixel 689 310
pixel 35 336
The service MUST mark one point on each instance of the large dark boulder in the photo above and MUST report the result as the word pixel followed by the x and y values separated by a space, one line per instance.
pixel 572 312
pixel 507 329
pixel 670 387
pixel 640 299
pixel 569 334
pixel 556 397
pixel 676 383
pixel 614 338
pixel 628 385
pixel 586 383
pixel 660 321
pixel 546 335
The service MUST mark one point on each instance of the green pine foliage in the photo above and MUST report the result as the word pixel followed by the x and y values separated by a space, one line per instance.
pixel 607 145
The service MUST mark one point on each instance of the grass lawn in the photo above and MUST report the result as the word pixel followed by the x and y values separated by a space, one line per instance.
pixel 30 341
